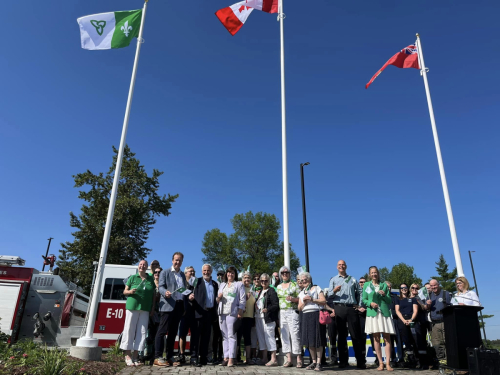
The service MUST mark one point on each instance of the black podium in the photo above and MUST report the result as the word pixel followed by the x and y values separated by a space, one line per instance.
pixel 461 330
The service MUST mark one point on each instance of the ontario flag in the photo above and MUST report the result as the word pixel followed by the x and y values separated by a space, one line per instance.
pixel 406 58
pixel 235 16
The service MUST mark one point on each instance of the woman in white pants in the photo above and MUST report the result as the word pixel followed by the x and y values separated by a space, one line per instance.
pixel 266 314
pixel 232 301
pixel 288 295
pixel 140 291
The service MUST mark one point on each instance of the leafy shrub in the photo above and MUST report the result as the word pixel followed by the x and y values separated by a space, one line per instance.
pixel 53 361
pixel 115 350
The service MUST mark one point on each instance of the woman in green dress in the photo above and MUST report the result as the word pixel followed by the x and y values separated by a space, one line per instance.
pixel 377 298
pixel 140 292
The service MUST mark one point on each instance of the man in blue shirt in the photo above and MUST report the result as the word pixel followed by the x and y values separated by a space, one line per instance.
pixel 346 299
pixel 439 299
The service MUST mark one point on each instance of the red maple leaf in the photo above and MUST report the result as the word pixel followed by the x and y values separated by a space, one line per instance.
pixel 243 8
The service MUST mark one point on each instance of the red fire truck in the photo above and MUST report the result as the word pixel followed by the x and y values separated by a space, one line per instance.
pixel 39 305
pixel 111 310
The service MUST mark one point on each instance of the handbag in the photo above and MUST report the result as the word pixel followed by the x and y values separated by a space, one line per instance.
pixel 324 317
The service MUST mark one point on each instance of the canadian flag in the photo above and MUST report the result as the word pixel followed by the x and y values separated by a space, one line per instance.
pixel 235 16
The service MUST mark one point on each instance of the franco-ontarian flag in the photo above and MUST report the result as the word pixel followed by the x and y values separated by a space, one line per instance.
pixel 109 30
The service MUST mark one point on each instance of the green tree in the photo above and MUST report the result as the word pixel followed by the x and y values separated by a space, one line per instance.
pixel 403 273
pixel 383 274
pixel 481 325
pixel 138 204
pixel 446 278
pixel 255 243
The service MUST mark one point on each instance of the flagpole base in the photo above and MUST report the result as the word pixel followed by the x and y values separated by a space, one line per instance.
pixel 86 348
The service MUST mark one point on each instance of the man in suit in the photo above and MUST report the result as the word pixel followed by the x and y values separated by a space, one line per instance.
pixel 205 308
pixel 172 307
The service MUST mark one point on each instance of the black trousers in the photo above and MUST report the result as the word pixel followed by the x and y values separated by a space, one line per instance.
pixel 347 318
pixel 169 322
pixel 362 325
pixel 414 341
pixel 332 334
pixel 200 336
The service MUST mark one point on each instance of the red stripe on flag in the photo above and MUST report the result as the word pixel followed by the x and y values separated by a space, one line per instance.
pixel 227 17
pixel 270 6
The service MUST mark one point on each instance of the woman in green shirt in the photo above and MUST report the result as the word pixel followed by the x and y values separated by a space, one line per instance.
pixel 377 299
pixel 288 295
pixel 140 292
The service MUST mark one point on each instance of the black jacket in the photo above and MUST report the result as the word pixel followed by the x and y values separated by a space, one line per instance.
pixel 200 299
pixel 271 303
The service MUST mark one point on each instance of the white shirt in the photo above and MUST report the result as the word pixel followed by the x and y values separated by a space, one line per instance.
pixel 260 304
pixel 180 283
pixel 314 293
pixel 470 299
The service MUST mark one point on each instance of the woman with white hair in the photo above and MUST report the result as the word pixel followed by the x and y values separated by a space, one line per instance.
pixel 311 331
pixel 248 320
pixel 288 295
pixel 266 315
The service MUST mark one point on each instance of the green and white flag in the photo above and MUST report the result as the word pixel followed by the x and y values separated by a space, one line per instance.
pixel 109 30
pixel 423 293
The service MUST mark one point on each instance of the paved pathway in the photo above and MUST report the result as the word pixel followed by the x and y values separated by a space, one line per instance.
pixel 261 370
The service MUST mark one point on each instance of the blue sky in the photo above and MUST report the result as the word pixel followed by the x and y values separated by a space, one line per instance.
pixel 206 111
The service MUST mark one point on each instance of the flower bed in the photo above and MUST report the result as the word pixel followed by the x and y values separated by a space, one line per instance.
pixel 26 357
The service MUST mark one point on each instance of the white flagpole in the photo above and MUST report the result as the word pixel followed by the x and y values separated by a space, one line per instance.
pixel 88 340
pixel 451 221
pixel 281 17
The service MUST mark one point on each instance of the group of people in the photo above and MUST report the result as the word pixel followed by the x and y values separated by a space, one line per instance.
pixel 221 312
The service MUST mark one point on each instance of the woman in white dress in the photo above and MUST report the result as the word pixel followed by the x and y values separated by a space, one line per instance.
pixel 464 296
pixel 377 298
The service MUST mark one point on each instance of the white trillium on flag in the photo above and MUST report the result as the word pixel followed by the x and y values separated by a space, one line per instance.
pixel 109 30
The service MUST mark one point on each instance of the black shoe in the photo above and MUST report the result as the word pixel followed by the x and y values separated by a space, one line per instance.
pixel 194 363
pixel 343 365
pixel 361 366
pixel 182 358
pixel 203 362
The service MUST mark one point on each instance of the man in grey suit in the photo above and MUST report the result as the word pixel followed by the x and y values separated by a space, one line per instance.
pixel 172 308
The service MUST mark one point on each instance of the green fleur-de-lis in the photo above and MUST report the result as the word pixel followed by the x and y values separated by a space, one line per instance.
pixel 99 26
pixel 126 29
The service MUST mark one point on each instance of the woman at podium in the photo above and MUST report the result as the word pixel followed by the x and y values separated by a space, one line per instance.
pixel 464 296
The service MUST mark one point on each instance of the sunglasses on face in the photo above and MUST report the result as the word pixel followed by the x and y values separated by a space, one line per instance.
pixel 157 272
pixel 404 288
pixel 413 288
pixel 361 282
pixel 285 272
pixel 264 281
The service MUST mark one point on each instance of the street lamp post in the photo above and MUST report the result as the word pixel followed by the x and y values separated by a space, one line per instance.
pixel 304 213
pixel 477 291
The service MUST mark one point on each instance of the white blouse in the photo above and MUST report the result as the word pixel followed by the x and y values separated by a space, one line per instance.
pixel 469 298
pixel 314 293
